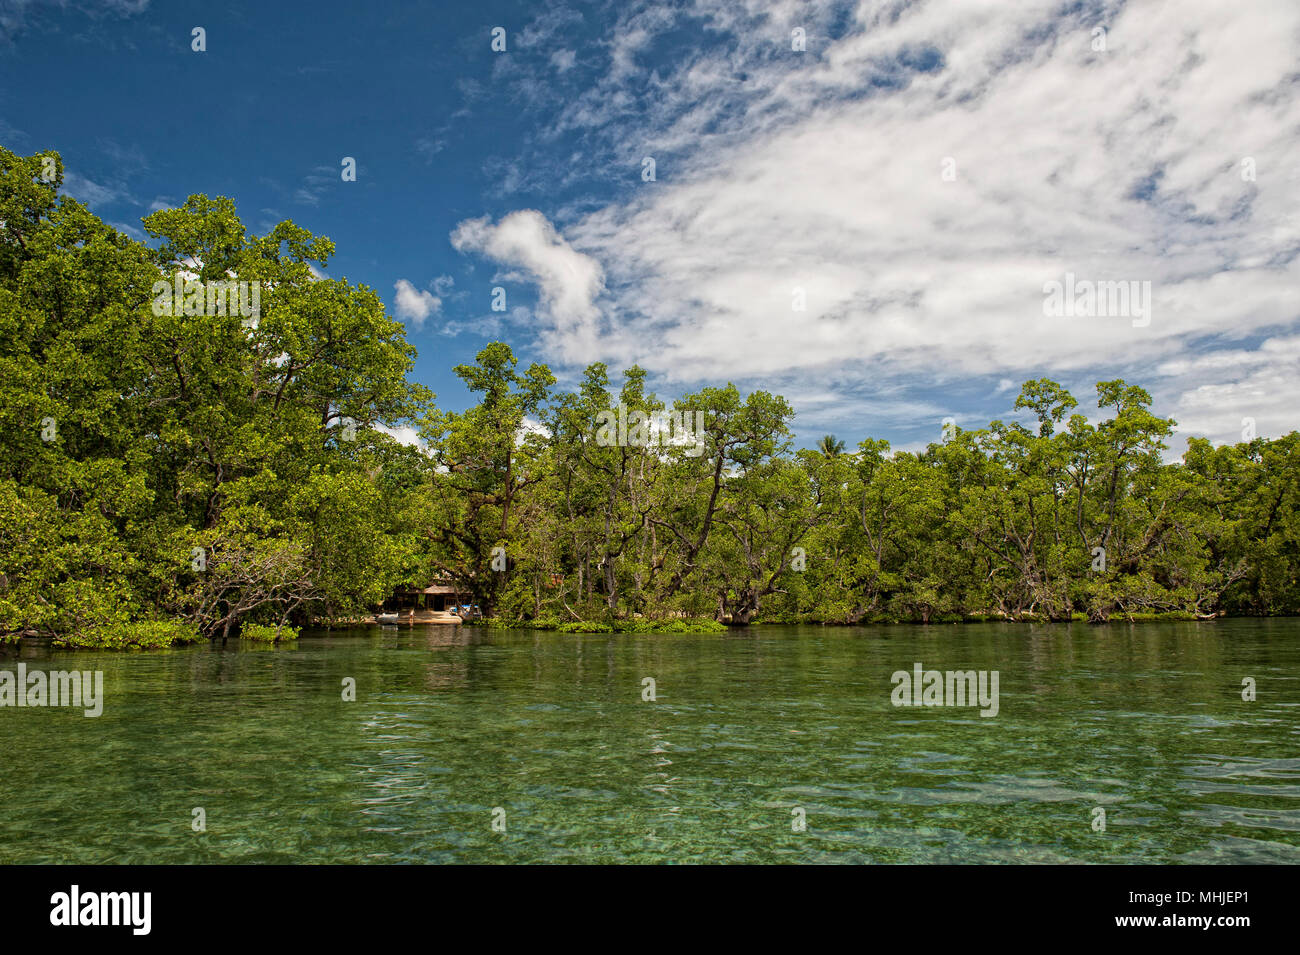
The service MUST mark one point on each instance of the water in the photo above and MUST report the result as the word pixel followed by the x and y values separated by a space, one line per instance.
pixel 1145 721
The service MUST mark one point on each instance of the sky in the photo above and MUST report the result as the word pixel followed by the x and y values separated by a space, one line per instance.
pixel 860 206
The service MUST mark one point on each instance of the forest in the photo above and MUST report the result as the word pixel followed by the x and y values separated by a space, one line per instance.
pixel 170 475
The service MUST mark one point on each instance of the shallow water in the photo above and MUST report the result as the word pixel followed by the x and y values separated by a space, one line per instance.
pixel 750 729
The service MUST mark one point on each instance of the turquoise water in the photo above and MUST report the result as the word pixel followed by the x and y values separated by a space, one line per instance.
pixel 750 730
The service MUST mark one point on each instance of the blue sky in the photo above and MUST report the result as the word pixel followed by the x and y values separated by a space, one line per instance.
pixel 912 176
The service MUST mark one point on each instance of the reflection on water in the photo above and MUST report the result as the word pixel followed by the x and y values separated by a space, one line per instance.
pixel 449 723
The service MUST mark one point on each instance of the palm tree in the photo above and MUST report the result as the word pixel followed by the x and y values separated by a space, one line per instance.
pixel 830 446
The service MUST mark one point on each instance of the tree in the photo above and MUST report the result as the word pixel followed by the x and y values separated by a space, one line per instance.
pixel 140 426
pixel 487 461
pixel 829 446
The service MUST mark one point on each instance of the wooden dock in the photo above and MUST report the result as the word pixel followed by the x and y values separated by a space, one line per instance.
pixel 410 618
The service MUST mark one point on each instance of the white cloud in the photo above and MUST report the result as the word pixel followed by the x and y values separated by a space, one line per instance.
pixel 94 194
pixel 414 305
pixel 531 426
pixel 569 282
pixel 429 146
pixel 14 13
pixel 823 171
pixel 403 434
pixel 130 230
pixel 1213 395
pixel 488 326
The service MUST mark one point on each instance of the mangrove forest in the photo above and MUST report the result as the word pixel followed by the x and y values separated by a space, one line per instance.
pixel 177 465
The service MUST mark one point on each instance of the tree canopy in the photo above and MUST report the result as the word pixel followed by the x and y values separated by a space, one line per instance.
pixel 172 473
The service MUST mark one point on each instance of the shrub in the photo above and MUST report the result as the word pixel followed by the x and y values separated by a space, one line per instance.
pixel 697 625
pixel 138 635
pixel 584 626
pixel 265 634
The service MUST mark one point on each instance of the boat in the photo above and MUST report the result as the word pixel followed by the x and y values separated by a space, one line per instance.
pixel 411 617
pixel 434 616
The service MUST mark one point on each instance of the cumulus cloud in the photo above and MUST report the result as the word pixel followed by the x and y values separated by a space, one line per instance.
pixel 414 305
pixel 883 210
pixel 568 281
pixel 1232 394
pixel 403 434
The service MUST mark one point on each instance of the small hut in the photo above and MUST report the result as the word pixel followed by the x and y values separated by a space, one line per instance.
pixel 439 595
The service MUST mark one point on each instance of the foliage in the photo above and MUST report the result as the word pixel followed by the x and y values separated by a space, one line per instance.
pixel 670 626
pixel 173 473
pixel 138 635
pixel 162 462
pixel 585 626
pixel 264 634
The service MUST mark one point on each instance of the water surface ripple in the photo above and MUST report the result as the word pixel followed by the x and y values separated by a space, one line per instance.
pixel 1145 721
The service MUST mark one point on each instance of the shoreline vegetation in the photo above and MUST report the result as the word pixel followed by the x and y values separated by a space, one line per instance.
pixel 196 464
pixel 705 625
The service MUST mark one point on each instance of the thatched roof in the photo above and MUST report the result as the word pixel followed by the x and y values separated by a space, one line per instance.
pixel 437 587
